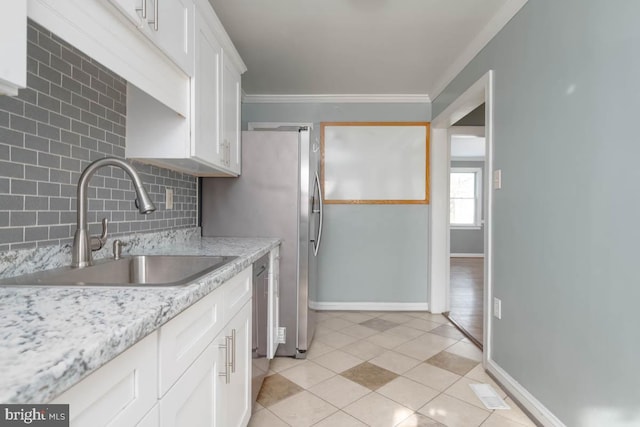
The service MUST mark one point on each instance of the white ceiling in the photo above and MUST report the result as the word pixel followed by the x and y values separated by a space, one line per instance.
pixel 358 46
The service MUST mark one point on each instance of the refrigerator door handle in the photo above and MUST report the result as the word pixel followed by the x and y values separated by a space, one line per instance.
pixel 316 244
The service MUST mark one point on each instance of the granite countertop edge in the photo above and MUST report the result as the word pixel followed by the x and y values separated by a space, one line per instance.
pixel 53 337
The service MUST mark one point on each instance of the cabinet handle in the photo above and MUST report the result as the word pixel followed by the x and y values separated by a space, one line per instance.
pixel 227 373
pixel 233 350
pixel 143 9
pixel 155 15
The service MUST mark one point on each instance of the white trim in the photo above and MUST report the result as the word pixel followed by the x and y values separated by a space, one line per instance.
pixel 467 131
pixel 276 125
pixel 499 20
pixel 337 98
pixel 467 255
pixel 467 159
pixel 439 232
pixel 369 306
pixel 540 412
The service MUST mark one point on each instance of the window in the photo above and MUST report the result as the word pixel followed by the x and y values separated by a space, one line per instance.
pixel 465 198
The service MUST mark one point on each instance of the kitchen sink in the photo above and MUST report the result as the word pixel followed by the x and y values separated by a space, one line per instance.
pixel 140 270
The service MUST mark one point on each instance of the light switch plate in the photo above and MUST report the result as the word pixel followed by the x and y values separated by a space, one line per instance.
pixel 497 308
pixel 497 179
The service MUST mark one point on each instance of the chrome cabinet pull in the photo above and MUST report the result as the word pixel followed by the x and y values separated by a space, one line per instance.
pixel 233 351
pixel 143 9
pixel 227 372
pixel 155 15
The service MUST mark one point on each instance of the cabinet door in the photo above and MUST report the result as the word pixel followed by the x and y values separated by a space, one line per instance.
pixel 206 94
pixel 13 46
pixel 197 398
pixel 238 391
pixel 118 394
pixel 137 11
pixel 231 98
pixel 172 24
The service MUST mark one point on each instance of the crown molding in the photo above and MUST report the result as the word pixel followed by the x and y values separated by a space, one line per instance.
pixel 499 20
pixel 336 99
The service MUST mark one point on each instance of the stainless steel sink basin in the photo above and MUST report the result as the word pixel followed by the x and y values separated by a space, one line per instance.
pixel 142 270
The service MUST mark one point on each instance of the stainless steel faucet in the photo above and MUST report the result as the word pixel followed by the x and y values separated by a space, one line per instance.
pixel 82 242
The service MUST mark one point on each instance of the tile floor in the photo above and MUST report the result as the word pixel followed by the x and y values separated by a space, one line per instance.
pixel 381 369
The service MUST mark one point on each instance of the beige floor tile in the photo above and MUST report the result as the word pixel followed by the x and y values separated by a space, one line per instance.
pixel 266 418
pixel 378 411
pixel 276 388
pixel 422 324
pixel 322 315
pixel 338 361
pixel 308 374
pixel 337 339
pixel 303 410
pixel 438 318
pixel 369 375
pixel 399 318
pixel 461 390
pixel 359 331
pixel 256 407
pixel 336 323
pixel 437 341
pixel 432 376
pixel 339 391
pixel 322 331
pixel 448 331
pixel 495 420
pixel 419 420
pixel 452 362
pixel 340 419
pixel 469 351
pixel 387 341
pixel 405 331
pixel 281 363
pixel 318 348
pixel 379 324
pixel 357 316
pixel 480 376
pixel 408 393
pixel 453 412
pixel 514 414
pixel 417 350
pixel 364 349
pixel 395 362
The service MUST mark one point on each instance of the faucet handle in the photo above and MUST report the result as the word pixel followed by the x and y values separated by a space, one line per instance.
pixel 117 248
pixel 98 242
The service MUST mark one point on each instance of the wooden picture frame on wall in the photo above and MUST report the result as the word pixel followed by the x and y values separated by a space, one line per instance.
pixel 375 162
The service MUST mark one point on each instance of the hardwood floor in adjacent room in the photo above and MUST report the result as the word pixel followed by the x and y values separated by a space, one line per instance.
pixel 466 295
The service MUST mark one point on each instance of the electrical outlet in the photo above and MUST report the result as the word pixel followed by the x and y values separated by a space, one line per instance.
pixel 168 201
pixel 497 308
pixel 497 179
pixel 282 336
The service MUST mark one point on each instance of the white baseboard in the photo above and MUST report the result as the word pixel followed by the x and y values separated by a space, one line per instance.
pixel 526 399
pixel 466 255
pixel 370 306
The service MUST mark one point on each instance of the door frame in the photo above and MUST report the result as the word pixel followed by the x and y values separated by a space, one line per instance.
pixel 479 92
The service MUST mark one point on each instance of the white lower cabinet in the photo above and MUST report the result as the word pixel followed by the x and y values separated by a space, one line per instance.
pixel 118 394
pixel 195 371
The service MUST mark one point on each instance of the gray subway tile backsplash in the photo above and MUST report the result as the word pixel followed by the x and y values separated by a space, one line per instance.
pixel 73 112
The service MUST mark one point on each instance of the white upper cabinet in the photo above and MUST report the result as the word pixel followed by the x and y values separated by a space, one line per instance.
pixel 13 46
pixel 167 23
pixel 231 98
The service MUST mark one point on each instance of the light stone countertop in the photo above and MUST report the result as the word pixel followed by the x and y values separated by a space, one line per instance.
pixel 52 337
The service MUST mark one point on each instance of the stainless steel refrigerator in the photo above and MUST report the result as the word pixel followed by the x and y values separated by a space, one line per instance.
pixel 277 195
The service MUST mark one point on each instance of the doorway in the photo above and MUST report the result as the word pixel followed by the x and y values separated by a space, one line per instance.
pixel 467 148
pixel 481 92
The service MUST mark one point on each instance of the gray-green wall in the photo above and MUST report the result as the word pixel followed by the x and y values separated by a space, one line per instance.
pixel 567 100
pixel 370 253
